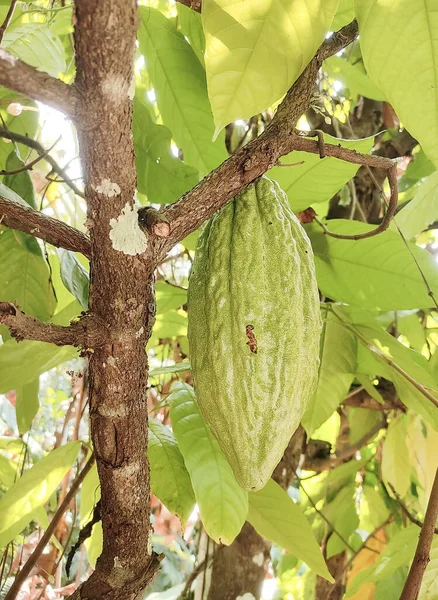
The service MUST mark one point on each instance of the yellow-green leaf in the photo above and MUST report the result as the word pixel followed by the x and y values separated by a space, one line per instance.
pixel 223 504
pixel 317 180
pixel 33 489
pixel 276 517
pixel 399 41
pixel 256 50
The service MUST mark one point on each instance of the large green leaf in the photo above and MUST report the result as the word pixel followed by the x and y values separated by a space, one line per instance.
pixel 170 481
pixel 190 23
pixel 20 183
pixel 276 517
pixel 353 76
pixel 24 274
pixel 180 87
pixel 33 489
pixel 22 362
pixel 341 514
pixel 74 276
pixel 378 272
pixel 317 180
pixel 398 552
pixel 375 351
pixel 256 50
pixel 395 457
pixel 223 505
pixel 422 210
pixel 169 297
pixel 429 585
pixel 36 44
pixel 344 14
pixel 161 176
pixel 27 404
pixel 336 372
pixel 90 495
pixel 399 41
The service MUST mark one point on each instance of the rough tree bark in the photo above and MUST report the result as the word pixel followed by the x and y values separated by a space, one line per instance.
pixel 121 294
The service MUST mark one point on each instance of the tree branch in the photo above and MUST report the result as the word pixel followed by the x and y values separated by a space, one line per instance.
pixel 7 19
pixel 422 554
pixel 257 157
pixel 405 509
pixel 88 332
pixel 25 218
pixel 193 4
pixel 360 398
pixel 24 79
pixel 43 153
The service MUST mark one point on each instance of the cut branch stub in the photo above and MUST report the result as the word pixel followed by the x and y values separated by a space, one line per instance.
pixel 153 221
pixel 87 332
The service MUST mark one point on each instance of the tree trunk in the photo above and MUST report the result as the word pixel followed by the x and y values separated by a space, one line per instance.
pixel 240 568
pixel 121 295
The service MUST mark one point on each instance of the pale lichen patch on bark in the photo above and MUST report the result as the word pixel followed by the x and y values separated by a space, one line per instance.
pixel 247 596
pixel 139 333
pixel 114 88
pixel 107 188
pixel 126 235
pixel 258 559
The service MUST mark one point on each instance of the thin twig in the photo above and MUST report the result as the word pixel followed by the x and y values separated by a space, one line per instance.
pixel 26 141
pixel 422 554
pixel 405 509
pixel 31 561
pixel 28 166
pixel 7 19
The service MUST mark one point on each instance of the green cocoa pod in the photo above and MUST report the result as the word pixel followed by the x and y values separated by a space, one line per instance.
pixel 254 328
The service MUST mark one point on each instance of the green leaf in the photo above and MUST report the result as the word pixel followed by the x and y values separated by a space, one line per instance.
pixel 336 372
pixel 176 368
pixel 90 496
pixel 33 489
pixel 378 272
pixel 36 45
pixel 317 180
pixel 24 275
pixel 344 14
pixel 256 50
pixel 27 404
pixel 190 23
pixel 169 324
pixel 410 327
pixel 422 210
pixel 180 87
pixel 391 588
pixel 23 362
pixel 398 552
pixel 395 457
pixel 353 77
pixel 223 505
pixel 276 517
pixel 7 472
pixel 418 168
pixel 429 585
pixel 169 297
pixel 74 276
pixel 378 344
pixel 162 177
pixel 170 481
pixel 397 37
pixel 20 183
pixel 341 513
